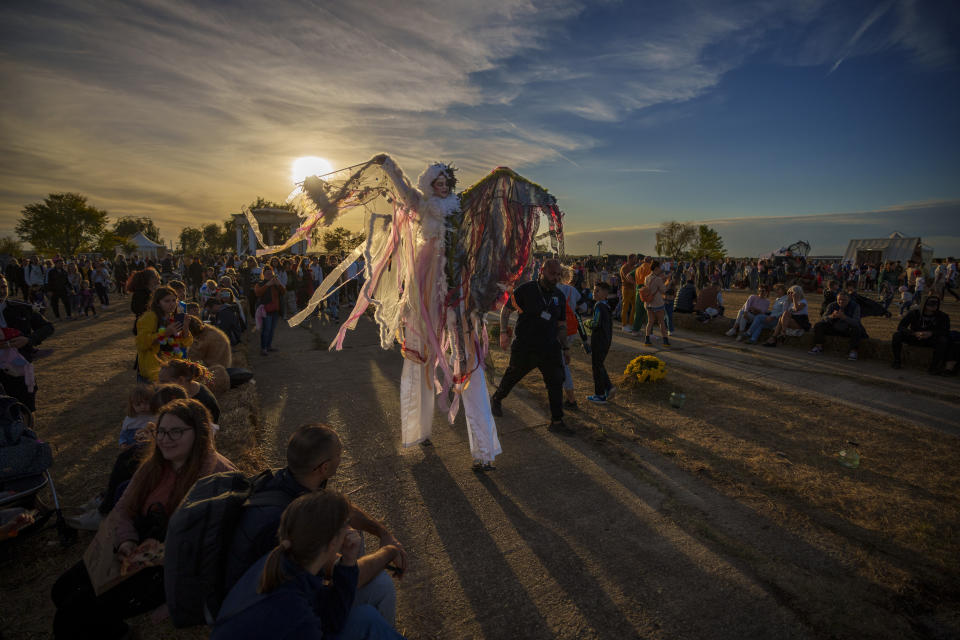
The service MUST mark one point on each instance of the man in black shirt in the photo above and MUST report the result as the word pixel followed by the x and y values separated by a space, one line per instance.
pixel 539 341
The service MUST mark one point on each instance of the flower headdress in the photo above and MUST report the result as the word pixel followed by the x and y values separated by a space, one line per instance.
pixel 431 173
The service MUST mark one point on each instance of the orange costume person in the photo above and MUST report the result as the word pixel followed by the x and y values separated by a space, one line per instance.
pixel 639 310
pixel 628 289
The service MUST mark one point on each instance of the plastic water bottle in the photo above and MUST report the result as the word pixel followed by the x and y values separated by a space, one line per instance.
pixel 849 456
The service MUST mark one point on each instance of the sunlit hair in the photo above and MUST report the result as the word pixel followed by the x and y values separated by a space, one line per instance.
pixel 152 465
pixel 796 290
pixel 159 294
pixel 139 394
pixel 142 279
pixel 307 528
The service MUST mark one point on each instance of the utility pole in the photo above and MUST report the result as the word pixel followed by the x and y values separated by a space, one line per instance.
pixel 599 242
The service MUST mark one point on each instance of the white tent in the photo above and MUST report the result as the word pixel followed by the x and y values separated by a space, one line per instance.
pixel 892 249
pixel 145 247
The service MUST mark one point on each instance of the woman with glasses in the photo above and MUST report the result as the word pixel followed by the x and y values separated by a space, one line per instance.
pixel 181 452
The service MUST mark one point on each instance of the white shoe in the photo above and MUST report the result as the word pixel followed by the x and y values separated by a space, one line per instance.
pixel 628 331
pixel 741 337
pixel 732 332
pixel 86 521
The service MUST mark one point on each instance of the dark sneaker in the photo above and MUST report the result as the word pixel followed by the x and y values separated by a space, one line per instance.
pixel 570 404
pixel 597 399
pixel 647 340
pixel 560 428
pixel 495 407
pixel 666 341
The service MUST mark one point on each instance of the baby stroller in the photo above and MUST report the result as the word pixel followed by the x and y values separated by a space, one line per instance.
pixel 25 462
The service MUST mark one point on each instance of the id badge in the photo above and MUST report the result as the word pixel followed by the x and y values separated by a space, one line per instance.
pixel 546 315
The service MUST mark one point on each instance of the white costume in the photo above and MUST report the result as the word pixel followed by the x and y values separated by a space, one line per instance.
pixel 433 269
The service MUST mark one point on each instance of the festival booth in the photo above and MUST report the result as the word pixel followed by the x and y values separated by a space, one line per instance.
pixel 146 247
pixel 894 248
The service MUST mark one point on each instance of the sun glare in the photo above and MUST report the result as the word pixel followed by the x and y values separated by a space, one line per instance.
pixel 309 166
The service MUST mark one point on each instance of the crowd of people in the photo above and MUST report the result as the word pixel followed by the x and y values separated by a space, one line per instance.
pixel 295 563
pixel 646 292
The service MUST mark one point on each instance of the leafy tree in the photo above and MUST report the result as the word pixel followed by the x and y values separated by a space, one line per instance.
pixel 11 247
pixel 63 223
pixel 674 238
pixel 191 240
pixel 261 203
pixel 212 237
pixel 109 242
pixel 708 244
pixel 129 225
pixel 341 240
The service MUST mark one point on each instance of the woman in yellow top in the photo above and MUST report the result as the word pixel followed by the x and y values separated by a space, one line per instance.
pixel 160 335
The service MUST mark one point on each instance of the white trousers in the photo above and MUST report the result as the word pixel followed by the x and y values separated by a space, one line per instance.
pixel 417 398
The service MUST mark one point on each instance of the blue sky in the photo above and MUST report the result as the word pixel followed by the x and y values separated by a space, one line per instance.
pixel 632 113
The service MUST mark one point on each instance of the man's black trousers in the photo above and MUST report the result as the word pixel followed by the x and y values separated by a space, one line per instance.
pixel 549 363
pixel 940 346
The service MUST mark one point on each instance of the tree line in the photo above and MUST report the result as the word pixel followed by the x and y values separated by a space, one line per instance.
pixel 67 224
pixel 689 242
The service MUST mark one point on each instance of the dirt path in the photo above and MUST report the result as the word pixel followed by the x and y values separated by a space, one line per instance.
pixel 629 529
pixel 728 519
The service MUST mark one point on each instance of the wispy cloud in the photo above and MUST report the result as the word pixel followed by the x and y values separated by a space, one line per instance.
pixel 875 15
pixel 127 102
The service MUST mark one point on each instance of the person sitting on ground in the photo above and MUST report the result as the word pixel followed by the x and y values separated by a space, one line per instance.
pixel 181 290
pixel 925 327
pixel 829 296
pixel 686 297
pixel 31 329
pixel 842 318
pixel 211 346
pixel 207 291
pixel 710 301
pixel 285 595
pixel 906 299
pixel 756 305
pixel 182 452
pixel 138 415
pixel 226 317
pixel 126 463
pixel 794 321
pixel 193 377
pixel 160 335
pixel 886 296
pixel 313 457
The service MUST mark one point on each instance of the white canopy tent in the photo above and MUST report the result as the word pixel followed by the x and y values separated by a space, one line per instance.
pixel 145 247
pixel 892 249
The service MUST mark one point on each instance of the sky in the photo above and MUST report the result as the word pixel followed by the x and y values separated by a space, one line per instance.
pixel 772 121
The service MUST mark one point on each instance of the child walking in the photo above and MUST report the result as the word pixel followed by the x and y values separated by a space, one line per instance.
pixel 86 299
pixel 600 339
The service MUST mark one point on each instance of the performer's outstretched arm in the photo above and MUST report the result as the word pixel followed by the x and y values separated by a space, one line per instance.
pixel 408 194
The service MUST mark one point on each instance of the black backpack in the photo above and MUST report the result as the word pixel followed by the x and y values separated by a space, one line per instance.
pixel 198 541
pixel 22 453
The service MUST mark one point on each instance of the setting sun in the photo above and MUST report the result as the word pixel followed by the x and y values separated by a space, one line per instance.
pixel 309 166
